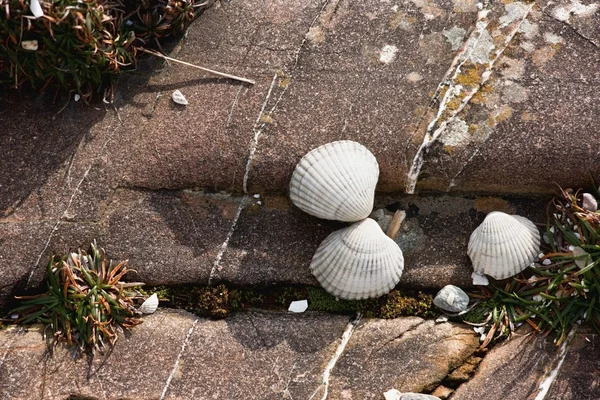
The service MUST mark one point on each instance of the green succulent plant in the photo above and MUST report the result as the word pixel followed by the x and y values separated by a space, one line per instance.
pixel 83 45
pixel 560 292
pixel 86 304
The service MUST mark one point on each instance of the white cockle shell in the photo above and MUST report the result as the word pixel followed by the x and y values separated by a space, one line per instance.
pixel 358 262
pixel 150 305
pixel 336 181
pixel 452 298
pixel 503 245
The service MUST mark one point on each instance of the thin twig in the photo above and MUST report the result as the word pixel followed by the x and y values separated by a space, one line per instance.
pixel 210 71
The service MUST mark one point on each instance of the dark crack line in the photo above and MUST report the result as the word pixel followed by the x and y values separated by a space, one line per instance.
pixel 398 337
pixel 572 28
pixel 260 336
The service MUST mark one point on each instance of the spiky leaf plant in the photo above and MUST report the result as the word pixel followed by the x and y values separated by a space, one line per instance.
pixel 82 45
pixel 86 304
pixel 561 291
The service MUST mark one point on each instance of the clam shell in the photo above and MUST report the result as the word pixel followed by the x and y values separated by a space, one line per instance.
pixel 503 245
pixel 336 181
pixel 179 98
pixel 452 298
pixel 150 305
pixel 358 262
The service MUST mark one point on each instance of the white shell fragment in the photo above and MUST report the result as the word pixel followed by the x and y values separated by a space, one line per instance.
pixel 36 8
pixel 298 306
pixel 150 305
pixel 503 245
pixel 395 394
pixel 30 45
pixel 179 98
pixel 358 262
pixel 452 298
pixel 336 181
pixel 589 202
pixel 479 280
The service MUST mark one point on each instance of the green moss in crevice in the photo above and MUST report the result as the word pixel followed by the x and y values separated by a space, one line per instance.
pixel 221 300
pixel 479 313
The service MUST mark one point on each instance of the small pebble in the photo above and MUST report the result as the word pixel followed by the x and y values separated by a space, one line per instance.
pixel 589 202
pixel 451 298
pixel 547 261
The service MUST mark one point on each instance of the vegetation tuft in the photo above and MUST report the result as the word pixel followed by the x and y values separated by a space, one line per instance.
pixel 559 292
pixel 86 304
pixel 82 45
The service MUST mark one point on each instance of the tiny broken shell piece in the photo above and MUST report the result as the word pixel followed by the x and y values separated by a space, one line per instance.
pixel 179 98
pixel 36 8
pixel 589 202
pixel 298 306
pixel 479 280
pixel 451 298
pixel 150 305
pixel 30 45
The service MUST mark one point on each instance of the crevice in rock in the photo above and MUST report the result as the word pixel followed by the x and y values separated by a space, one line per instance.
pixel 398 337
pixel 573 29
pixel 324 386
pixel 469 71
pixel 176 364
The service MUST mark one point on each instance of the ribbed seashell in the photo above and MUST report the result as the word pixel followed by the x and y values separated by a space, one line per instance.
pixel 336 181
pixel 150 305
pixel 358 262
pixel 451 298
pixel 503 245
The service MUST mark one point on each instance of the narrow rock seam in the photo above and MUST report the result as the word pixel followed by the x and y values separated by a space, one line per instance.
pixel 257 129
pixel 549 376
pixel 456 91
pixel 338 352
pixel 183 346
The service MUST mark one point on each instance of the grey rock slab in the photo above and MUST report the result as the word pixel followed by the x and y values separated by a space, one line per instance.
pixel 168 237
pixel 408 354
pixel 257 355
pixel 138 367
pixel 512 370
pixel 578 376
pixel 207 143
pixel 367 72
pixel 273 242
pixel 521 131
pixel 26 249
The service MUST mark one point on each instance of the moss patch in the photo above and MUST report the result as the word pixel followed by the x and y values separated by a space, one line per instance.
pixel 221 300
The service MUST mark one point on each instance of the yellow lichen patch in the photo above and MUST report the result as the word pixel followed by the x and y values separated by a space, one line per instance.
pixel 527 116
pixel 469 77
pixel 266 119
pixel 449 149
pixel 283 79
pixel 454 104
pixel 472 129
pixel 489 204
pixel 500 115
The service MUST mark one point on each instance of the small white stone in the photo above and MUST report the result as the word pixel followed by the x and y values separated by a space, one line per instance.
pixel 298 306
pixel 589 202
pixel 537 297
pixel 31 45
pixel 76 97
pixel 571 247
pixel 14 316
pixel 179 98
pixel 547 261
pixel 451 298
pixel 256 196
